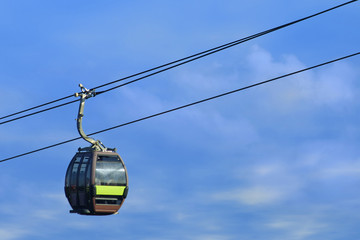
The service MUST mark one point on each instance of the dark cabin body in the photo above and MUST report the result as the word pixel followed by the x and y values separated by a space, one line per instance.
pixel 96 182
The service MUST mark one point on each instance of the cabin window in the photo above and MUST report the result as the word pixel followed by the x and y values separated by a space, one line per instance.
pixel 82 171
pixel 74 171
pixel 110 171
pixel 88 175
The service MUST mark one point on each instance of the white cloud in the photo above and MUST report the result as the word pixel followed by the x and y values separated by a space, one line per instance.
pixel 344 170
pixel 9 232
pixel 262 63
pixel 255 196
pixel 335 85
pixel 263 184
pixel 331 85
pixel 297 227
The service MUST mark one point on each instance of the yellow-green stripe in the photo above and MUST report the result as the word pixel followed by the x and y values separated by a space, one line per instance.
pixel 110 190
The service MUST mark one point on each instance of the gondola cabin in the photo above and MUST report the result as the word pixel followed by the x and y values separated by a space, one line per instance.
pixel 96 182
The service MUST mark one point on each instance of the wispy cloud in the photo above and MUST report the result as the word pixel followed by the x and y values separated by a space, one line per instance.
pixel 298 227
pixel 263 185
pixel 332 86
pixel 256 195
pixel 11 232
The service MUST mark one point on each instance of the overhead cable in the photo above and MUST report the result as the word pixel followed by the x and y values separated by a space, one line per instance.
pixel 166 66
pixel 186 105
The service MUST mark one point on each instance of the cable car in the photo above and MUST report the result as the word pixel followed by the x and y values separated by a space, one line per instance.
pixel 96 181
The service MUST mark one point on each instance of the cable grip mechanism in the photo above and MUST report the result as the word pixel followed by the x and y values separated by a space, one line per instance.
pixel 86 93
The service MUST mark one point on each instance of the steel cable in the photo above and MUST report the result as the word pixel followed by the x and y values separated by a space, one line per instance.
pixel 166 66
pixel 186 105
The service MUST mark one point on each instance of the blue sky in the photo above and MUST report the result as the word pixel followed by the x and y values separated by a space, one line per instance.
pixel 280 161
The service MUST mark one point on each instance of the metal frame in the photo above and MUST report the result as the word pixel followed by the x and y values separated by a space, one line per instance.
pixel 95 144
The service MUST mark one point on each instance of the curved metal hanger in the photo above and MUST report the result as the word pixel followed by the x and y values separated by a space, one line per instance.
pixel 85 94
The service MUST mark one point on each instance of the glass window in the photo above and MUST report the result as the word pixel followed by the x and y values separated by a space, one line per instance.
pixel 88 175
pixel 86 159
pixel 74 174
pixel 78 159
pixel 67 178
pixel 110 171
pixel 74 171
pixel 82 171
